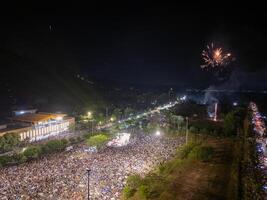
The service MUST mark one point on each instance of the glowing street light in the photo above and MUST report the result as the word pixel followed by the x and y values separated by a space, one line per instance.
pixel 157 133
pixel 89 114
pixel 112 119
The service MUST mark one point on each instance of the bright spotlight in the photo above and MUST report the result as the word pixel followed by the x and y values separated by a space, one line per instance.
pixel 157 133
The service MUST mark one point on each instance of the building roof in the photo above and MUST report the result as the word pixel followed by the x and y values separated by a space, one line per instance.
pixel 37 117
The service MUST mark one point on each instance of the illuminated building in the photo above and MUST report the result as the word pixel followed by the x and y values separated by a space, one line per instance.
pixel 37 126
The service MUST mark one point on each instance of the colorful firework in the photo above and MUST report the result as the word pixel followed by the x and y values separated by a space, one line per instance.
pixel 215 57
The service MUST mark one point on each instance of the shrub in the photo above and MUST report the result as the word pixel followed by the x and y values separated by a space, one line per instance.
pixel 54 146
pixel 79 139
pixel 151 187
pixel 143 191
pixel 201 153
pixel 128 192
pixel 183 151
pixel 5 160
pixel 19 158
pixel 215 132
pixel 64 142
pixel 97 140
pixel 170 166
pixel 204 131
pixel 9 141
pixel 72 140
pixel 229 124
pixel 32 152
pixel 193 129
pixel 134 181
pixel 87 135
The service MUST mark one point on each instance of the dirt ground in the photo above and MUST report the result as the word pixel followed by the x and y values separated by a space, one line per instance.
pixel 206 180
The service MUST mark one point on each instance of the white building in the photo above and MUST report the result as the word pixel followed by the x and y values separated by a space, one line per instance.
pixel 37 126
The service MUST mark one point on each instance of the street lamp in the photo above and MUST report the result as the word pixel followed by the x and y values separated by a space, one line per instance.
pixel 88 173
pixel 92 125
pixel 186 137
pixel 89 114
pixel 158 133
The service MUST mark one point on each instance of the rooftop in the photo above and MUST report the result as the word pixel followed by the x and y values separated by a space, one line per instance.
pixel 37 117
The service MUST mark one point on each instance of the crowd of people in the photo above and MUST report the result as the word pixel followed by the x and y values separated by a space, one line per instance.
pixel 260 130
pixel 64 175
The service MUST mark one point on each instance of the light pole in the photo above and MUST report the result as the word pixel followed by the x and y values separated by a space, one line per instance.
pixel 106 114
pixel 186 137
pixel 92 126
pixel 88 173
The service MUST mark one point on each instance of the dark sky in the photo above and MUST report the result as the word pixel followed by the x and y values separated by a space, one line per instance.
pixel 157 44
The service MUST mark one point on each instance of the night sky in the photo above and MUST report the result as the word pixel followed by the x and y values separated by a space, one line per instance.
pixel 155 44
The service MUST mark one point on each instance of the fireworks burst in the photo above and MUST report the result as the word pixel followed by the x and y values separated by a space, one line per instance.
pixel 215 57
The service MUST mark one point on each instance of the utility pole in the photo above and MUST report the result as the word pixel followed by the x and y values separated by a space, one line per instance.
pixel 106 114
pixel 88 173
pixel 186 137
pixel 92 126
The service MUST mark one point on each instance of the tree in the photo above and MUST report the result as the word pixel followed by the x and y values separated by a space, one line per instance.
pixel 179 121
pixel 97 140
pixel 128 111
pixel 117 112
pixel 100 118
pixel 193 129
pixel 150 127
pixel 9 141
pixel 176 121
pixel 239 115
pixel 234 121
pixel 229 124
pixel 54 146
pixel 32 152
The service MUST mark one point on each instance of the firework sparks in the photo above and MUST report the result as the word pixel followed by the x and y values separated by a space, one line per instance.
pixel 215 57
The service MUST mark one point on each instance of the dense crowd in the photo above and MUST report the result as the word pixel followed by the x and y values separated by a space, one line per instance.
pixel 64 176
pixel 260 130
